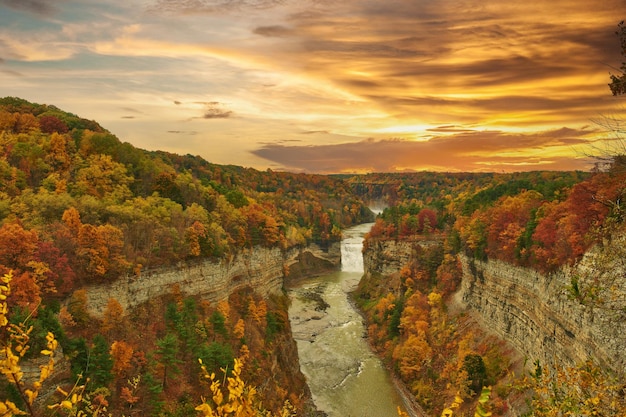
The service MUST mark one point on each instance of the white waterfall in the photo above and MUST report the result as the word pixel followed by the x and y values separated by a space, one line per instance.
pixel 352 248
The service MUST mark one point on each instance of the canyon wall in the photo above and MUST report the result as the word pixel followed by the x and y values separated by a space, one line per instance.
pixel 535 313
pixel 260 268
pixel 540 317
pixel 387 257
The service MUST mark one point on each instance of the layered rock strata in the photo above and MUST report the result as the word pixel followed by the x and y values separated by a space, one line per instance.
pixel 538 315
pixel 260 268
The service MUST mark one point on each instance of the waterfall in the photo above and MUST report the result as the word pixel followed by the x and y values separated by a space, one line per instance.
pixel 352 249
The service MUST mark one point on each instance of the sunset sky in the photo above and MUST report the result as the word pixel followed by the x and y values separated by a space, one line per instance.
pixel 325 85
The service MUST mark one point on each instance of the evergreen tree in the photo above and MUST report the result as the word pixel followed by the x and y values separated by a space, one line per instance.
pixel 167 349
pixel 101 363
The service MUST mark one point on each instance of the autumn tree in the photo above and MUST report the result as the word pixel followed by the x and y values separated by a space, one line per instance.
pixel 18 246
pixel 52 124
pixel 584 390
pixel 427 219
pixel 113 318
pixel 14 344
pixel 122 354
pixel 103 177
pixel 413 355
pixel 508 220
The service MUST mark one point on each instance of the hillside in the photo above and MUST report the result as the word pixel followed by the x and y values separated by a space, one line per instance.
pixel 81 210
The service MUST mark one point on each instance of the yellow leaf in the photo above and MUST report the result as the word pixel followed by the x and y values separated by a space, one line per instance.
pixel 45 373
pixel 66 404
pixel 205 410
pixel 30 395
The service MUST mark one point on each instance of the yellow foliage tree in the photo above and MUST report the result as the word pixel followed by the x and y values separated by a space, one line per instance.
pixel 236 398
pixel 585 390
pixel 14 346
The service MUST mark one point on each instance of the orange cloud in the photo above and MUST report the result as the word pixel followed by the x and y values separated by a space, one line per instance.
pixel 462 151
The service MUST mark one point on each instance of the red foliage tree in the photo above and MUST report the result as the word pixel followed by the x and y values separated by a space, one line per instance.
pixel 17 246
pixel 568 229
pixel 60 273
pixel 427 220
pixel 51 124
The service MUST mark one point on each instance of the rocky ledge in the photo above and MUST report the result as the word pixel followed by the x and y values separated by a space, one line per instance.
pixel 263 269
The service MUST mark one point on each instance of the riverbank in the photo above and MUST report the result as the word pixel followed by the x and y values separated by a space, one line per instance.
pixel 411 406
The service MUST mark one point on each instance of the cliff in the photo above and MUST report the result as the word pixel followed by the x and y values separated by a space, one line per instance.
pixel 261 268
pixel 387 257
pixel 539 315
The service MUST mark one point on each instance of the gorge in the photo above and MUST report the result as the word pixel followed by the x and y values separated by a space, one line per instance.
pixel 345 377
pixel 533 312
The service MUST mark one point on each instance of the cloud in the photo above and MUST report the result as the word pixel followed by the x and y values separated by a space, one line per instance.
pixel 183 132
pixel 452 79
pixel 213 110
pixel 313 132
pixel 465 151
pixel 275 31
pixel 210 6
pixel 38 7
pixel 449 129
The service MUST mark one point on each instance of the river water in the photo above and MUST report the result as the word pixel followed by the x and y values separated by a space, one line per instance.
pixel 345 377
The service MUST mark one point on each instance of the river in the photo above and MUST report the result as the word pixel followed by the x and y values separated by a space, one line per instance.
pixel 345 377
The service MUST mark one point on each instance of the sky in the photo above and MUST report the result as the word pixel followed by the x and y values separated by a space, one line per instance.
pixel 329 86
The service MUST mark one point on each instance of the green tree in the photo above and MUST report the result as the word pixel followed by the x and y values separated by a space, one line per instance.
pixel 101 363
pixel 78 352
pixel 218 321
pixel 167 349
pixel 215 355
pixel 474 365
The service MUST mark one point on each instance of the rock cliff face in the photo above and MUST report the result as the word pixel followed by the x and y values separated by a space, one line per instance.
pixel 260 268
pixel 386 257
pixel 535 313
